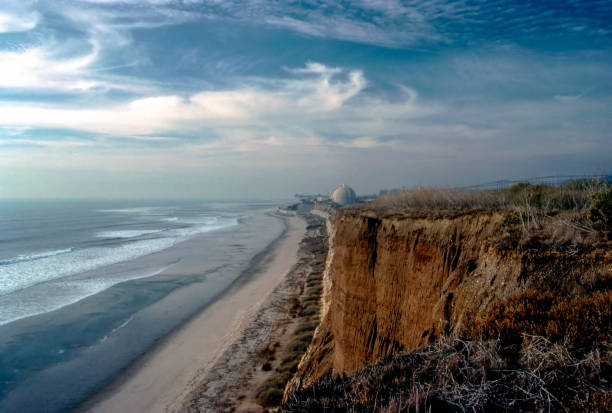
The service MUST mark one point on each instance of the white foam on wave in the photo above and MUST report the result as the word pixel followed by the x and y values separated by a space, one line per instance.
pixel 27 303
pixel 127 233
pixel 20 274
pixel 198 229
pixel 206 220
pixel 35 256
pixel 138 210
pixel 114 330
pixel 202 220
pixel 27 273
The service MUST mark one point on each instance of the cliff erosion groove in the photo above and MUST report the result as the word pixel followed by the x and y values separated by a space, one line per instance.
pixel 400 282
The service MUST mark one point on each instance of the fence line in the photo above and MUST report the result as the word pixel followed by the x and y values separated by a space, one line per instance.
pixel 553 180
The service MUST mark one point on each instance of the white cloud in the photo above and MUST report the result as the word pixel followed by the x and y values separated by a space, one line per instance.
pixel 281 100
pixel 101 29
pixel 46 143
pixel 394 25
pixel 41 68
pixel 33 68
pixel 18 22
pixel 567 98
pixel 316 68
pixel 364 142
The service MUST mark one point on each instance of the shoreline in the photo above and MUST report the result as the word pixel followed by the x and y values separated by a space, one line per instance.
pixel 160 379
pixel 252 373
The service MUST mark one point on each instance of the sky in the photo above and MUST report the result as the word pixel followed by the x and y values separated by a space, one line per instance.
pixel 261 99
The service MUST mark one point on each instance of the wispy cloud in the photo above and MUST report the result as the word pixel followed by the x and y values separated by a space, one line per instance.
pixel 566 98
pixel 391 23
pixel 33 68
pixel 281 98
pixel 106 26
pixel 46 143
pixel 136 85
pixel 18 22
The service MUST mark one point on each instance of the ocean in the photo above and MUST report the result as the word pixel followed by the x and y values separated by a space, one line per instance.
pixel 87 287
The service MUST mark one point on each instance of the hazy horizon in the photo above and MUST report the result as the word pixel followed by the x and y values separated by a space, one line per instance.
pixel 201 99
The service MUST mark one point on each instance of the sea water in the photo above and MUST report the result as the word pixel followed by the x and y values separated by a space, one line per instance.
pixel 86 287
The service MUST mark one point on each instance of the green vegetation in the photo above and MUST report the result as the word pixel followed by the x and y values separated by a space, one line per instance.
pixel 512 218
pixel 601 208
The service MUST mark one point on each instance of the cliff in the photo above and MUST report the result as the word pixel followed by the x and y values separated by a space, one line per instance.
pixel 399 282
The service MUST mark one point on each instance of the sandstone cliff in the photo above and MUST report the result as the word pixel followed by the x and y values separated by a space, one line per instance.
pixel 400 282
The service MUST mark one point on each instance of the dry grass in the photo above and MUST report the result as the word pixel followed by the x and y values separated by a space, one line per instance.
pixel 438 199
pixel 572 196
pixel 579 321
pixel 546 348
pixel 459 376
pixel 575 215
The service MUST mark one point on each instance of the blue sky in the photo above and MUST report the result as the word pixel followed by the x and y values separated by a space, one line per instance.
pixel 262 99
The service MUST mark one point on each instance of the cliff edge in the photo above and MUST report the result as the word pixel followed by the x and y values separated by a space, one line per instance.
pixel 403 281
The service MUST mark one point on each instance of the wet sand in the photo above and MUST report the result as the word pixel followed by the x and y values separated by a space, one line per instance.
pixel 161 380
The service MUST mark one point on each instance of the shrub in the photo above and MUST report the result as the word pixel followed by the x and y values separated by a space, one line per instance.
pixel 533 195
pixel 526 312
pixel 272 397
pixel 601 211
pixel 582 321
pixel 516 217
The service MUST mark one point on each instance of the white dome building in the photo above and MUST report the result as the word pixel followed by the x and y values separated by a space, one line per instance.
pixel 343 195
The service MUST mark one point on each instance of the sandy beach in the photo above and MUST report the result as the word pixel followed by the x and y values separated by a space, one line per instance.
pixel 252 372
pixel 161 379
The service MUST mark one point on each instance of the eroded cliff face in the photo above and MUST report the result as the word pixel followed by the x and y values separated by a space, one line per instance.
pixel 399 283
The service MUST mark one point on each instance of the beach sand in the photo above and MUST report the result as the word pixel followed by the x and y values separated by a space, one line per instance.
pixel 252 372
pixel 161 380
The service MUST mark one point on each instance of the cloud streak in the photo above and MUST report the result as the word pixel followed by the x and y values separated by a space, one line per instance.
pixel 282 99
pixel 33 68
pixel 225 88
pixel 10 23
pixel 391 23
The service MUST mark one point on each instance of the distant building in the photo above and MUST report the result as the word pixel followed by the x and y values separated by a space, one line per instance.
pixel 343 195
pixel 312 197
